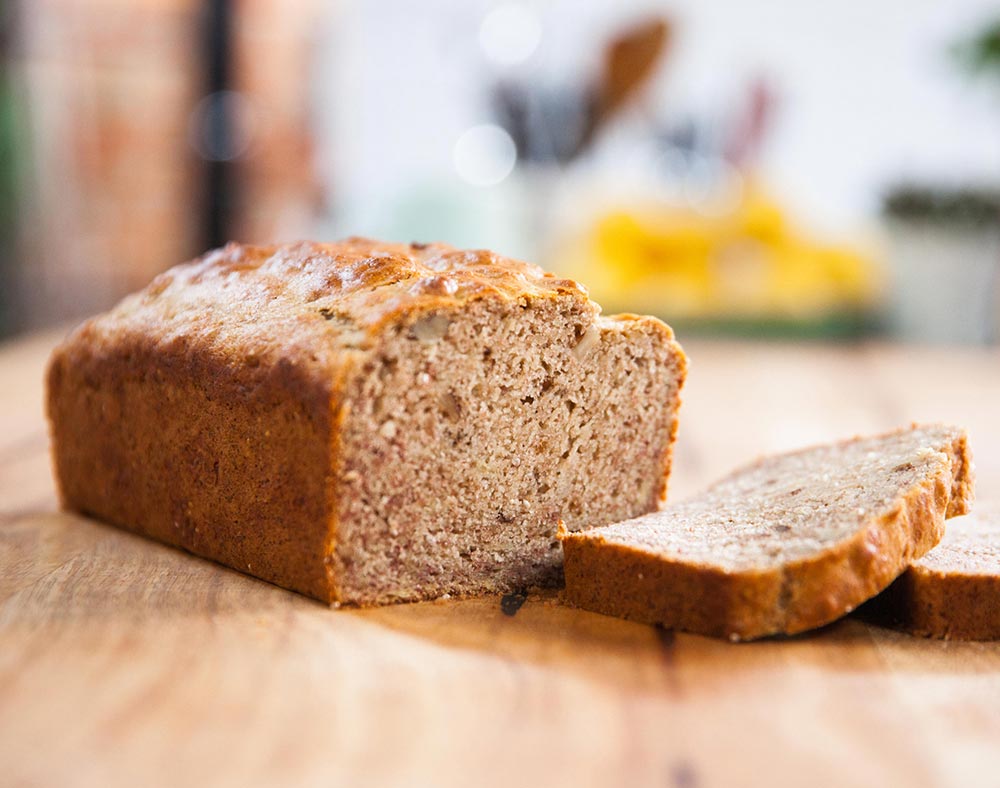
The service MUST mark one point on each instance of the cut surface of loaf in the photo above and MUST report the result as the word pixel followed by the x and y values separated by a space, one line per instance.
pixel 784 545
pixel 953 592
pixel 365 422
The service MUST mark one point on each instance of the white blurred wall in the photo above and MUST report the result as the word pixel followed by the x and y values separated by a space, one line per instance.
pixel 869 93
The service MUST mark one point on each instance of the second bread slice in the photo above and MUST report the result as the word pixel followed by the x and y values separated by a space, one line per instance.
pixel 953 592
pixel 784 545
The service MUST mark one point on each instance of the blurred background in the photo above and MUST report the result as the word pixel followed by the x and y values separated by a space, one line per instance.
pixel 787 169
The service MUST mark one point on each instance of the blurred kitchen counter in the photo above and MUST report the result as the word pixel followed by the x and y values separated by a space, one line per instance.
pixel 124 662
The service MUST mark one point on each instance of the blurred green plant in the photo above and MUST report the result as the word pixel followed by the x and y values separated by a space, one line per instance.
pixel 980 53
pixel 968 207
pixel 10 163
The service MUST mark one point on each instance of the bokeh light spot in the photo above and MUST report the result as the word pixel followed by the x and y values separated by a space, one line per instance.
pixel 484 155
pixel 510 34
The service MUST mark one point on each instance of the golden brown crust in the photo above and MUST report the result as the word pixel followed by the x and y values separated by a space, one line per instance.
pixel 963 486
pixel 206 410
pixel 622 580
pixel 173 448
pixel 307 294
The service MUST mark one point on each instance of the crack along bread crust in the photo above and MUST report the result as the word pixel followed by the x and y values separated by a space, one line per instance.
pixel 953 592
pixel 365 422
pixel 785 545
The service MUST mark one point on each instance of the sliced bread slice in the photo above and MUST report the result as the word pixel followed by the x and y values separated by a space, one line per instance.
pixel 784 545
pixel 953 592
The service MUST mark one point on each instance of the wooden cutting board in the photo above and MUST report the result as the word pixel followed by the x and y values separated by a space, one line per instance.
pixel 123 662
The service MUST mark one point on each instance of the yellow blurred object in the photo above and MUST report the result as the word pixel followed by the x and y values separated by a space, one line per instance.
pixel 748 264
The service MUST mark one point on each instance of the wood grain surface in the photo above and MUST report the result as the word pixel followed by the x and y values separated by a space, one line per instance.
pixel 123 662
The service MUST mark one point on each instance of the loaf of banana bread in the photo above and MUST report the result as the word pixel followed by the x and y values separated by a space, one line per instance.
pixel 365 422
